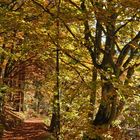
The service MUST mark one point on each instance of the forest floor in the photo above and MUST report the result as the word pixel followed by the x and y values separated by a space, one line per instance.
pixel 31 129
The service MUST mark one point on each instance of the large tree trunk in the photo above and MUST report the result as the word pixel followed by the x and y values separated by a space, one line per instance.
pixel 108 106
pixel 107 111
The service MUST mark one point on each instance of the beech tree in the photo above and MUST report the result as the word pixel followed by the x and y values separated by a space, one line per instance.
pixel 110 33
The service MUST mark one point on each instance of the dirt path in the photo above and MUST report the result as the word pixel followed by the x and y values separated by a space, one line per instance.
pixel 32 129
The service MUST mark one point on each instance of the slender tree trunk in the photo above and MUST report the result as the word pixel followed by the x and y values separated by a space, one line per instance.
pixel 55 122
pixel 20 94
pixel 21 86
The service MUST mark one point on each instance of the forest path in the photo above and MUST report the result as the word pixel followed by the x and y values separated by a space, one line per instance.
pixel 31 129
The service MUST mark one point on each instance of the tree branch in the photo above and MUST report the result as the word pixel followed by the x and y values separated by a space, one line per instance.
pixel 88 44
pixel 124 24
pixel 126 48
pixel 74 4
pixel 44 8
pixel 132 54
